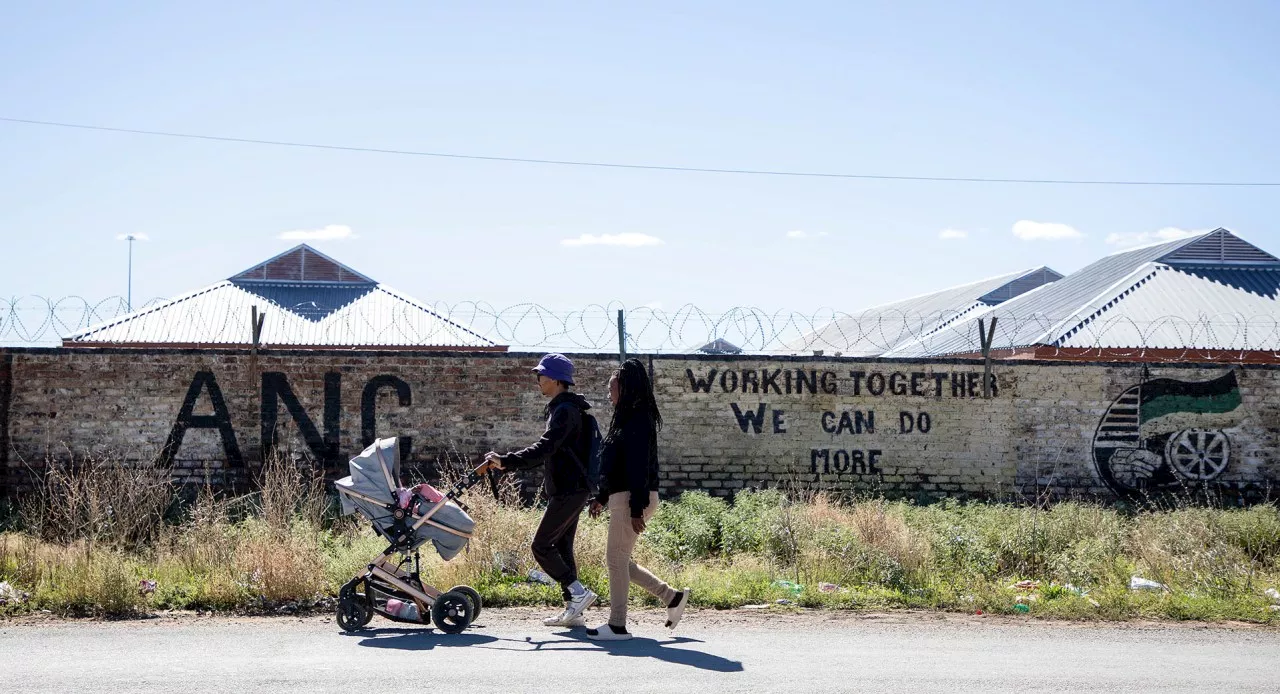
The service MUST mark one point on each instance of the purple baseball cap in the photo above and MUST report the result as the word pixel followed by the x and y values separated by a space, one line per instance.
pixel 556 367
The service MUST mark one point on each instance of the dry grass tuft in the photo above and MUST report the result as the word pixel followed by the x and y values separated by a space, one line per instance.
pixel 98 499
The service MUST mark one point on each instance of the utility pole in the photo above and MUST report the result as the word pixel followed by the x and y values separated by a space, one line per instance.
pixel 129 297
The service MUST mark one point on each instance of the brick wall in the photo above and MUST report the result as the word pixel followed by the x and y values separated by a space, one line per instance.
pixel 901 428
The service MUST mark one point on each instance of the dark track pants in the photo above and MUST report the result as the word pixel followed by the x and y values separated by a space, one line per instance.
pixel 553 542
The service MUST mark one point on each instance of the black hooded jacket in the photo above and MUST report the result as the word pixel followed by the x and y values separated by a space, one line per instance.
pixel 562 450
pixel 629 463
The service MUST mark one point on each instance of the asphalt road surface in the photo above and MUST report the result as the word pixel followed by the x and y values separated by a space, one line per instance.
pixel 510 651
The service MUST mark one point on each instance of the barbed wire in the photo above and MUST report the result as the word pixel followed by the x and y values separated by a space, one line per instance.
pixel 34 321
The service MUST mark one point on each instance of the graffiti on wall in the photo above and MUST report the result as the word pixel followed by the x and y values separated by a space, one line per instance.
pixel 1163 434
pixel 324 442
pixel 871 408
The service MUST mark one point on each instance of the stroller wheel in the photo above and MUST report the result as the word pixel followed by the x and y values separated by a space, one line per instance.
pixel 353 614
pixel 472 596
pixel 452 612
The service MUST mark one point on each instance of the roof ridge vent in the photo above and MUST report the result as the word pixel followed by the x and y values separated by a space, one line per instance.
pixel 1020 285
pixel 1220 247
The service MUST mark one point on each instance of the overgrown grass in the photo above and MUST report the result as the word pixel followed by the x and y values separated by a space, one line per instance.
pixel 284 547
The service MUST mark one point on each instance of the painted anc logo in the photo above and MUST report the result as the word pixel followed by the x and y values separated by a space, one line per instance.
pixel 1164 433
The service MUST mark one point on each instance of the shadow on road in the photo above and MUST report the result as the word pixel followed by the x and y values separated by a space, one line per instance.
pixel 426 639
pixel 660 650
pixel 417 639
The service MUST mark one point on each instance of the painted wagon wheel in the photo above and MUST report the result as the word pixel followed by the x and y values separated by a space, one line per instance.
pixel 1199 454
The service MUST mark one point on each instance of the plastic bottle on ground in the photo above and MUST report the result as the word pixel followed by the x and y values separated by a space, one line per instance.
pixel 1140 583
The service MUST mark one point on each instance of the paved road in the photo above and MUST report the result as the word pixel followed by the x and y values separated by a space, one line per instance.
pixel 713 652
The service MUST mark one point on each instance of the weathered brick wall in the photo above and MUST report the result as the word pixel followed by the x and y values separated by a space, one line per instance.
pixel 209 413
pixel 900 428
pixel 923 428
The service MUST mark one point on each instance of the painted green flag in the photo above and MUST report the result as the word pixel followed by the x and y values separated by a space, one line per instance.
pixel 1164 396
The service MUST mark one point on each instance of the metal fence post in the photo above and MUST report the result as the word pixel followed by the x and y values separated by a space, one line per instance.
pixel 622 337
pixel 258 319
pixel 987 337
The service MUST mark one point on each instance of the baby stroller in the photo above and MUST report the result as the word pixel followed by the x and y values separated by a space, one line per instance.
pixel 407 519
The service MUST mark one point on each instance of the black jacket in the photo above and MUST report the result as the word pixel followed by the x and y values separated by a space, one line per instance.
pixel 562 450
pixel 629 463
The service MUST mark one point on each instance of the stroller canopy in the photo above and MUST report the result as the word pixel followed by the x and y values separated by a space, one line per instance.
pixel 372 491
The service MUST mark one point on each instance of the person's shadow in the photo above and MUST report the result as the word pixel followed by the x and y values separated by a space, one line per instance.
pixel 637 647
pixel 425 639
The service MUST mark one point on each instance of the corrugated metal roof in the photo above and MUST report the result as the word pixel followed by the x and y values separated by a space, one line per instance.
pixel 1090 307
pixel 880 329
pixel 1194 308
pixel 351 312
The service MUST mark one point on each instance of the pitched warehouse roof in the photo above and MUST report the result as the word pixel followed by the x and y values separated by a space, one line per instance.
pixel 1231 309
pixel 1209 291
pixel 877 330
pixel 307 300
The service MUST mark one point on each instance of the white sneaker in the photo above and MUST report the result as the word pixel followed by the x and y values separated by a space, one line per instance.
pixel 565 619
pixel 676 611
pixel 579 603
pixel 604 632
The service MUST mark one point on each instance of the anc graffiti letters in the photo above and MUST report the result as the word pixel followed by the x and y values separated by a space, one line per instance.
pixel 368 410
pixel 220 420
pixel 276 390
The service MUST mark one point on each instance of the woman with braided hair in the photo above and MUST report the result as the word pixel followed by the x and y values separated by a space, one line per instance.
pixel 629 490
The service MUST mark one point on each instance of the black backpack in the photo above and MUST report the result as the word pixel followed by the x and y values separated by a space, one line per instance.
pixel 589 444
pixel 591 428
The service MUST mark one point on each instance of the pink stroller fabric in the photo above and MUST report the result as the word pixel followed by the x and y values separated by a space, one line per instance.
pixel 426 491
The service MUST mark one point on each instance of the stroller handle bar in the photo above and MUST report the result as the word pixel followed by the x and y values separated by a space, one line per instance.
pixel 485 471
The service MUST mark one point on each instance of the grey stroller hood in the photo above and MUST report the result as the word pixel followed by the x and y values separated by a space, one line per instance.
pixel 371 491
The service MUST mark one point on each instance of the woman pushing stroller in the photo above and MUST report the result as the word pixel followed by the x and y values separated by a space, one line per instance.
pixel 562 451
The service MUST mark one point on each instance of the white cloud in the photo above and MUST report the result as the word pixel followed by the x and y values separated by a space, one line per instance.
pixel 946 234
pixel 1044 231
pixel 136 237
pixel 1145 238
pixel 800 234
pixel 655 305
pixel 630 240
pixel 332 232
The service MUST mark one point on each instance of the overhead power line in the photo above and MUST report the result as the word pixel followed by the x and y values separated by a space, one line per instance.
pixel 648 167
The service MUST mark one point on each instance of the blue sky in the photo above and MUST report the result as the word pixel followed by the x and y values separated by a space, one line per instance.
pixel 1114 90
